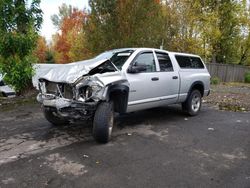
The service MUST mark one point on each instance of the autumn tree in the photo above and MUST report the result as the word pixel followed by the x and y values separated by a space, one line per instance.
pixel 182 26
pixel 210 28
pixel 69 41
pixel 223 21
pixel 244 41
pixel 64 12
pixel 117 23
pixel 41 49
pixel 219 31
pixel 244 50
pixel 225 49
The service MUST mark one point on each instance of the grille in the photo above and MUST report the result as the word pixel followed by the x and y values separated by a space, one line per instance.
pixel 65 89
pixel 51 88
pixel 67 92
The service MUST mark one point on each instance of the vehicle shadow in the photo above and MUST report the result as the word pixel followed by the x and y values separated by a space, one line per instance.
pixel 150 116
pixel 82 130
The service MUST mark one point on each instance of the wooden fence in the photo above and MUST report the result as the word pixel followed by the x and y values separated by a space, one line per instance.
pixel 227 72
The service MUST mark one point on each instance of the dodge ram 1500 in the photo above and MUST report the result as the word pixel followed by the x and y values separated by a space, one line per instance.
pixel 120 81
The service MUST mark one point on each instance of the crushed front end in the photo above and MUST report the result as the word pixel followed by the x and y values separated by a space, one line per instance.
pixel 76 101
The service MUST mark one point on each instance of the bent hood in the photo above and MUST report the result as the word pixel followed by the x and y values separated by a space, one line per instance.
pixel 64 73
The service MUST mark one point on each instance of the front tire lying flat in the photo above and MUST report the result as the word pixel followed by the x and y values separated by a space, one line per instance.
pixel 103 122
pixel 52 118
pixel 192 105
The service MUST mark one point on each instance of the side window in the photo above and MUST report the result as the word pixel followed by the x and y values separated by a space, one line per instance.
pixel 188 62
pixel 146 58
pixel 183 61
pixel 196 63
pixel 164 62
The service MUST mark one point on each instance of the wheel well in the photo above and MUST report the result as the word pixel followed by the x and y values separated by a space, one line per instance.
pixel 197 86
pixel 120 99
pixel 119 95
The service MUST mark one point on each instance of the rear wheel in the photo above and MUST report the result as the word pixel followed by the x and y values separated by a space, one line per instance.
pixel 50 115
pixel 103 122
pixel 192 105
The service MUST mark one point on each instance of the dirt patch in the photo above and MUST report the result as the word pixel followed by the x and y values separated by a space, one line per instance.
pixel 230 96
pixel 64 166
pixel 7 104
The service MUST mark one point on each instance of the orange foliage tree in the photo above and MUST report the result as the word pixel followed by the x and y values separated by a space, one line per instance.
pixel 41 49
pixel 69 41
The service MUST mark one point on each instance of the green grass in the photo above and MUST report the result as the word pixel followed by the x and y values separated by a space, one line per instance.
pixel 247 77
pixel 8 104
pixel 215 81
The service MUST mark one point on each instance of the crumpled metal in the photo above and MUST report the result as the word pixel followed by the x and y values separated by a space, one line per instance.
pixel 64 73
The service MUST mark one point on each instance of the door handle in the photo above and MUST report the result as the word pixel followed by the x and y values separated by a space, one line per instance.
pixel 175 77
pixel 155 79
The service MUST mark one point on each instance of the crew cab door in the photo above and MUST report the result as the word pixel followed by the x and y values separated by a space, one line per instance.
pixel 144 84
pixel 155 86
pixel 169 79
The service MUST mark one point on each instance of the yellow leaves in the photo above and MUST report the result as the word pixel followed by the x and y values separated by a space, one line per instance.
pixel 69 44
pixel 41 48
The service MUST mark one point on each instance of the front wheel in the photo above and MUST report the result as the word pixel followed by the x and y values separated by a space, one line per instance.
pixel 103 122
pixel 193 103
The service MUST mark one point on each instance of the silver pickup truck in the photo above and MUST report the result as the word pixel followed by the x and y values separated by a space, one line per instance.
pixel 120 81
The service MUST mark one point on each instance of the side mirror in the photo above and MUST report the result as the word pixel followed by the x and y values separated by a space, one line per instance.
pixel 137 69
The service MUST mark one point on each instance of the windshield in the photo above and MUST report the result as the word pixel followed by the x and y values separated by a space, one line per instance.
pixel 118 58
pixel 105 55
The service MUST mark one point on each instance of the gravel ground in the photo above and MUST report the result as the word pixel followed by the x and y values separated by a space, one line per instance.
pixel 230 96
pixel 159 147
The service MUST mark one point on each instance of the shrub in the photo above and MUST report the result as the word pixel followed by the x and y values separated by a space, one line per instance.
pixel 247 77
pixel 215 80
pixel 19 72
pixel 19 26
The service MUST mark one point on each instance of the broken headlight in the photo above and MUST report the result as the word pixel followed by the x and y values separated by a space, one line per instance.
pixel 88 91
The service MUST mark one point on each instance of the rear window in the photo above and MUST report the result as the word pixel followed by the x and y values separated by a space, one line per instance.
pixel 188 62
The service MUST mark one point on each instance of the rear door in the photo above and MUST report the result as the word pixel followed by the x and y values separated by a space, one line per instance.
pixel 168 78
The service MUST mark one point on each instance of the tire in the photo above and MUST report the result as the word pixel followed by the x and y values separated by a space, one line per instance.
pixel 193 103
pixel 103 122
pixel 53 119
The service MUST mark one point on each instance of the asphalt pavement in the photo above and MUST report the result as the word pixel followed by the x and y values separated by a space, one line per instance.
pixel 159 147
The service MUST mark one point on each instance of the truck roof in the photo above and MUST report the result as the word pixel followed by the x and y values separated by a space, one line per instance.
pixel 156 49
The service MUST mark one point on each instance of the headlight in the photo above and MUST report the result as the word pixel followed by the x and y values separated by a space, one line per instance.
pixel 96 88
pixel 87 92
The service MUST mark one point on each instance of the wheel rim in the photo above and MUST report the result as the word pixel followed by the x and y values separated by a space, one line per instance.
pixel 111 123
pixel 196 103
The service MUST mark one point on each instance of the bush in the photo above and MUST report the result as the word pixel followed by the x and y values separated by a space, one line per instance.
pixel 19 72
pixel 215 80
pixel 247 77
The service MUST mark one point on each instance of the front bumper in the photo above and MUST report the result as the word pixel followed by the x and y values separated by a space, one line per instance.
pixel 67 108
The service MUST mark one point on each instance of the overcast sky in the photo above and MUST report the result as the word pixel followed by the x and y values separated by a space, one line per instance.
pixel 50 7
